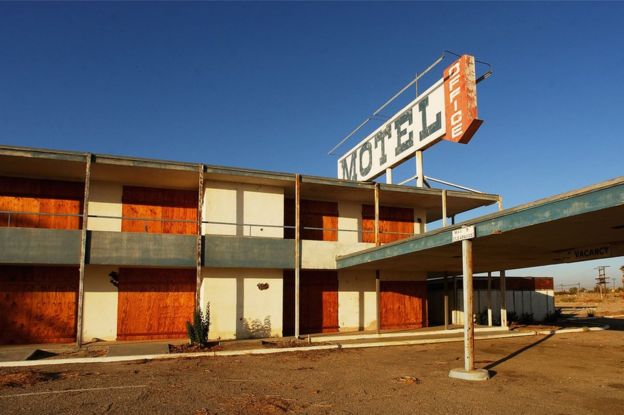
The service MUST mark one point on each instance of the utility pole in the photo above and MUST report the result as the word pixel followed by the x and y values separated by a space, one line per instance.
pixel 601 279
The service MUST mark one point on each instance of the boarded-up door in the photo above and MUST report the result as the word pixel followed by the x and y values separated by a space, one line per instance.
pixel 48 204
pixel 154 303
pixel 394 223
pixel 319 220
pixel 38 304
pixel 403 304
pixel 159 210
pixel 318 304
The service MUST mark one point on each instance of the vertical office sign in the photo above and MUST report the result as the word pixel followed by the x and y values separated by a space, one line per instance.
pixel 447 110
pixel 460 100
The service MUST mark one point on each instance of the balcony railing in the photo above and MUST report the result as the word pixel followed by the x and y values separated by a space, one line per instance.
pixel 25 219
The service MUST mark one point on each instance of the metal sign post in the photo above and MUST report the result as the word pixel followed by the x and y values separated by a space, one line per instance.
pixel 466 234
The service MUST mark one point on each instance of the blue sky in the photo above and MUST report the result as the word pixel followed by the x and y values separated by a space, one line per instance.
pixel 275 85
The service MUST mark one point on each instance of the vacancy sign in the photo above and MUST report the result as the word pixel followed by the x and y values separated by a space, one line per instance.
pixel 447 110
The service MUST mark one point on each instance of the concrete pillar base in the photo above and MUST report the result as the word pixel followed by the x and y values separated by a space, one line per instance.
pixel 463 374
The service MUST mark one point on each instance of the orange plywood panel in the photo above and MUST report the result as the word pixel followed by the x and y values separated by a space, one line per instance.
pixel 61 202
pixel 154 303
pixel 38 304
pixel 318 304
pixel 159 210
pixel 394 223
pixel 403 304
pixel 319 220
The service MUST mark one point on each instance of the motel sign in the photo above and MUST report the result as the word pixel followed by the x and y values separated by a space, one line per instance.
pixel 447 110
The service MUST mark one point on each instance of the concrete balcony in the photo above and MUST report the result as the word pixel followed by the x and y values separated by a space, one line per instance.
pixel 39 246
pixel 224 251
pixel 141 249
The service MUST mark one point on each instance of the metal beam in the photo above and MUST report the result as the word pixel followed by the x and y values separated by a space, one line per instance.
pixel 444 215
pixel 83 252
pixel 199 248
pixel 420 179
pixel 446 303
pixel 297 249
pixel 377 241
pixel 468 305
pixel 377 300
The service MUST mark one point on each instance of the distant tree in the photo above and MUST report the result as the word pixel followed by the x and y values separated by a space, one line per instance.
pixel 573 290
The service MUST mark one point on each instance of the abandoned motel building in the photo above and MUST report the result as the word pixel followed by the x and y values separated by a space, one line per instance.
pixel 118 248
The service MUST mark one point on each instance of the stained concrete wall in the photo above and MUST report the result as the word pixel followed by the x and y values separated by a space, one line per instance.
pixel 349 222
pixel 237 204
pixel 238 307
pixel 420 221
pixel 322 254
pixel 105 200
pixel 100 304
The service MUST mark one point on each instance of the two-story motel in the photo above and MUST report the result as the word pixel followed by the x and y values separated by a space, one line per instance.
pixel 116 248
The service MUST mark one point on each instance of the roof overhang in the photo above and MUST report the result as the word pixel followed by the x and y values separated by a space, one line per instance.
pixel 584 224
pixel 135 171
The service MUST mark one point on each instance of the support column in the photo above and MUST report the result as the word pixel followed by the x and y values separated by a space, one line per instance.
pixel 198 252
pixel 389 175
pixel 446 303
pixel 454 315
pixel 468 291
pixel 83 251
pixel 468 372
pixel 377 272
pixel 503 299
pixel 378 299
pixel 297 249
pixel 377 241
pixel 420 181
pixel 489 299
pixel 444 217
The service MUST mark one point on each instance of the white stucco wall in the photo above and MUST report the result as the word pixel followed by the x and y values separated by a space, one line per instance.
pixel 356 300
pixel 238 308
pixel 238 203
pixel 538 302
pixel 105 200
pixel 322 254
pixel 100 304
pixel 349 222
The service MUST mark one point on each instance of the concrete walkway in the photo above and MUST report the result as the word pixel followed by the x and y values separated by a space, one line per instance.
pixel 156 350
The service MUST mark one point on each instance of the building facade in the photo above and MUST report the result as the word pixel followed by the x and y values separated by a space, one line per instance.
pixel 116 248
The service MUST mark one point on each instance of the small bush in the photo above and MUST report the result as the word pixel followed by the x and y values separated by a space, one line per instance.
pixel 554 316
pixel 591 312
pixel 198 331
pixel 526 318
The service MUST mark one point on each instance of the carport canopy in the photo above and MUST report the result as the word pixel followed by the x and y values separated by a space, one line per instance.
pixel 584 224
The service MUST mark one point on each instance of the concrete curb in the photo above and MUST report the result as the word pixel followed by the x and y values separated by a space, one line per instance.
pixel 348 336
pixel 575 330
pixel 113 359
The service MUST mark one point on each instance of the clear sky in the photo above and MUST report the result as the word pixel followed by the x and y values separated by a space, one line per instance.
pixel 275 85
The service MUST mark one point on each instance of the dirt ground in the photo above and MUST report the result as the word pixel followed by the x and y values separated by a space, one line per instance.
pixel 580 373
pixel 611 304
